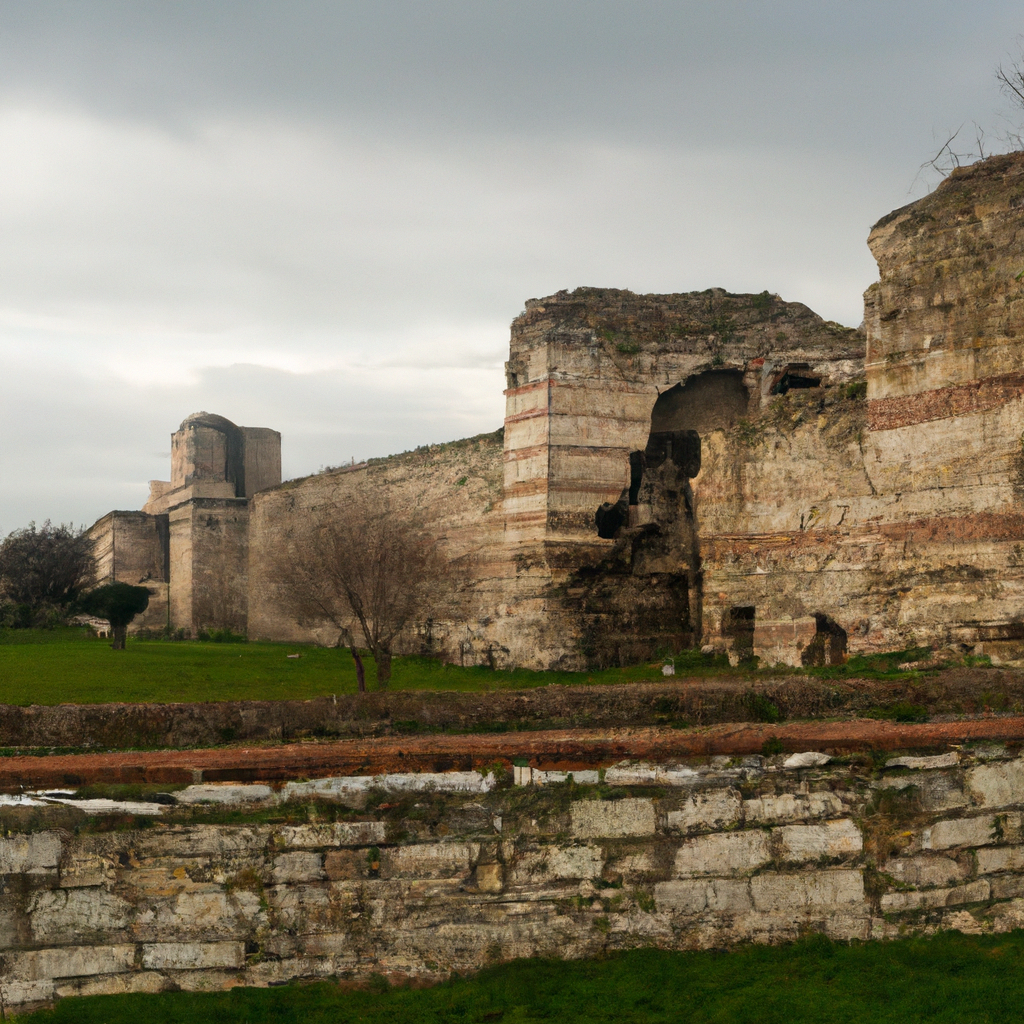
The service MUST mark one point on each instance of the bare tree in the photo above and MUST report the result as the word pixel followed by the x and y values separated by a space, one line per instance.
pixel 1010 77
pixel 369 569
pixel 44 568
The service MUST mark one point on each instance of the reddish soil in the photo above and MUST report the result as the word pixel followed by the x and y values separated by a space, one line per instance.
pixel 578 748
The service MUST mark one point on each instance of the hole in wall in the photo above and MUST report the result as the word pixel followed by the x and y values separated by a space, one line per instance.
pixel 738 626
pixel 829 644
pixel 713 400
pixel 795 378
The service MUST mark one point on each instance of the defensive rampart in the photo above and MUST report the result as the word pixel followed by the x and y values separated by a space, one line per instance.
pixel 414 876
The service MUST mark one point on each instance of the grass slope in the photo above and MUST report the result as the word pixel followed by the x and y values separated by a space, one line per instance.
pixel 67 666
pixel 949 978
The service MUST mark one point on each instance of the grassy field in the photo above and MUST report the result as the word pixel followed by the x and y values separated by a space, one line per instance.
pixel 68 666
pixel 949 978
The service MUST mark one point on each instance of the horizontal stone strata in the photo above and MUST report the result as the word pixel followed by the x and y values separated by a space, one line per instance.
pixel 945 403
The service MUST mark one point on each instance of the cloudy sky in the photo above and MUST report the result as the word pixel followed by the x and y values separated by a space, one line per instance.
pixel 321 216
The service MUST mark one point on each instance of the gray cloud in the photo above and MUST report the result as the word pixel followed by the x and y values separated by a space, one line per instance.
pixel 322 216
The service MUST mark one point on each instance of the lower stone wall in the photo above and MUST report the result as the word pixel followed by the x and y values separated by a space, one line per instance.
pixel 413 882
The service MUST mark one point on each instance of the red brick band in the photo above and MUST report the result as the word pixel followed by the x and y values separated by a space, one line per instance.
pixel 945 403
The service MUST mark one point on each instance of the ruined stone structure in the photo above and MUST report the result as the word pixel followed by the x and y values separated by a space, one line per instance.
pixel 733 851
pixel 703 469
pixel 189 544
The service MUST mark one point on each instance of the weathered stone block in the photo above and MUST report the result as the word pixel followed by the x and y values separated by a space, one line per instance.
pixel 489 877
pixel 575 862
pixel 997 785
pixel 191 956
pixel 111 984
pixel 791 807
pixel 1006 887
pixel 202 915
pixel 949 760
pixel 725 853
pixel 689 896
pixel 708 809
pixel 195 841
pixel 340 833
pixel 934 791
pixel 1000 858
pixel 798 843
pixel 224 793
pixel 774 893
pixel 945 835
pixel 67 916
pixel 84 870
pixel 298 867
pixel 926 871
pixel 608 819
pixel 973 892
pixel 73 961
pixel 18 993
pixel 429 860
pixel 343 865
pixel 34 854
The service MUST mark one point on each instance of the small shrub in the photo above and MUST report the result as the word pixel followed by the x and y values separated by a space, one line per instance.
pixel 761 708
pixel 772 746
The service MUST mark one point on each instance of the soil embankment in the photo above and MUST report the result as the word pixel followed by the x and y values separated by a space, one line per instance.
pixel 680 703
pixel 555 749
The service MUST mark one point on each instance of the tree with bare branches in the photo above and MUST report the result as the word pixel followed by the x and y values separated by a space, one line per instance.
pixel 369 569
pixel 1010 76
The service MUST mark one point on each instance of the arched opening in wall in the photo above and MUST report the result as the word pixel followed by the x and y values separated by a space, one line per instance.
pixel 829 644
pixel 738 626
pixel 713 400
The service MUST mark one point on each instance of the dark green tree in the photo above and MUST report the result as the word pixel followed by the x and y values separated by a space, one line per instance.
pixel 43 570
pixel 118 603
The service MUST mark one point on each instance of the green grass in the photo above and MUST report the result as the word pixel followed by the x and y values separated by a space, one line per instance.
pixel 68 666
pixel 949 978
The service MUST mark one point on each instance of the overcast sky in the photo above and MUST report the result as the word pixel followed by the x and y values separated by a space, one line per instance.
pixel 322 216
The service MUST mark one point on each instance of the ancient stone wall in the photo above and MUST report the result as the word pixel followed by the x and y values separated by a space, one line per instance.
pixel 133 547
pixel 424 875
pixel 453 489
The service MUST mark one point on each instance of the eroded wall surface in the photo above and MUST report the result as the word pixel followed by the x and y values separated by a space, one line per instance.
pixel 720 853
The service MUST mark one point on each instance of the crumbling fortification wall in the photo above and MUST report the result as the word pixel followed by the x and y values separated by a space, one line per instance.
pixel 701 469
pixel 453 489
pixel 414 881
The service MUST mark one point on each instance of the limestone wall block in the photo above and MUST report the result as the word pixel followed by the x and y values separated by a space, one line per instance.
pixel 1000 858
pixel 775 893
pixel 85 869
pixel 791 807
pixel 67 916
pixel 17 993
pixel 344 865
pixel 798 843
pixel 708 809
pixel 192 842
pixel 429 860
pixel 191 956
pixel 73 962
pixel 936 791
pixel 490 877
pixel 985 830
pixel 555 862
pixel 206 915
pixel 972 892
pixel 927 871
pixel 298 867
pixel 111 984
pixel 700 895
pixel 610 819
pixel 339 833
pixel 997 785
pixel 723 853
pixel 1007 887
pixel 231 794
pixel 36 854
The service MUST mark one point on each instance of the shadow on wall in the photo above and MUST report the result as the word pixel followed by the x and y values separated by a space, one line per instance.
pixel 829 644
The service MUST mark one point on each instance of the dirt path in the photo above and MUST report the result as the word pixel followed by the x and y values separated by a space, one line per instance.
pixel 550 749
